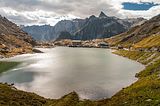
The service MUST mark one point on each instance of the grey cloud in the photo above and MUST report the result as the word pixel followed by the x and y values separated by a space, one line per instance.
pixel 57 8
pixel 79 8
pixel 82 8
pixel 20 19
pixel 20 5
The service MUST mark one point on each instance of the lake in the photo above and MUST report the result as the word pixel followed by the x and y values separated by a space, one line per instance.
pixel 93 73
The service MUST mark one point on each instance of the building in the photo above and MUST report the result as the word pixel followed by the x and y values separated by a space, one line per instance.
pixel 76 43
pixel 103 45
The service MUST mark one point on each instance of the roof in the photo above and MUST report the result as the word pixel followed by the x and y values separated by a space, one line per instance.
pixel 76 41
pixel 104 43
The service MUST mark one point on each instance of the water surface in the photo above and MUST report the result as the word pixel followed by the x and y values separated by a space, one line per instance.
pixel 92 73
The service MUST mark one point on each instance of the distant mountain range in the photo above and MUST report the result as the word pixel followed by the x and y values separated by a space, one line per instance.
pixel 47 32
pixel 146 35
pixel 83 29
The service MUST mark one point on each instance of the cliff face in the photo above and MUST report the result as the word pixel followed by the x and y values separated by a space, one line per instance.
pixel 100 27
pixel 13 39
pixel 44 32
pixel 47 32
pixel 70 26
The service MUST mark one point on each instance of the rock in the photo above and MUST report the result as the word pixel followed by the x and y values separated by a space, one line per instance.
pixel 1 57
pixel 125 102
pixel 37 51
pixel 149 100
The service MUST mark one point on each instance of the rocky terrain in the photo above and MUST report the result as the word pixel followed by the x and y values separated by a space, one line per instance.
pixel 13 40
pixel 93 27
pixel 143 36
pixel 104 27
pixel 47 32
pixel 95 43
pixel 41 33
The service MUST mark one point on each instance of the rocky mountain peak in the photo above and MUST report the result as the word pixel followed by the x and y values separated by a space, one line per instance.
pixel 92 17
pixel 102 15
pixel 90 28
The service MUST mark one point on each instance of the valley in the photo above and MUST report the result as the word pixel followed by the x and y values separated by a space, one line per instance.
pixel 81 62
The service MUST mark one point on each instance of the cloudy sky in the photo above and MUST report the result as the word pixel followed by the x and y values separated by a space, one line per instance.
pixel 39 12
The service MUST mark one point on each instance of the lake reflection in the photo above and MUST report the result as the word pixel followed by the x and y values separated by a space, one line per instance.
pixel 92 73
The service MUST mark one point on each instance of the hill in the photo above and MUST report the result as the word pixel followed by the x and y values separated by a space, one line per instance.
pixel 142 36
pixel 13 40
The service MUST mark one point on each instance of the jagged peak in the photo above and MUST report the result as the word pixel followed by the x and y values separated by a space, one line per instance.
pixel 102 15
pixel 92 17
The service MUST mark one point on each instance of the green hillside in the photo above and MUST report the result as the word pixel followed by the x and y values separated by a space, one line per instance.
pixel 138 34
pixel 151 41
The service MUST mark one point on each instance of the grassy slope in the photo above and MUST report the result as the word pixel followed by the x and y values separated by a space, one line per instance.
pixel 145 92
pixel 151 41
pixel 4 66
pixel 116 40
pixel 137 34
pixel 9 96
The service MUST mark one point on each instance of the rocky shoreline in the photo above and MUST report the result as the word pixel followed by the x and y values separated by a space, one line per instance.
pixel 18 51
pixel 97 43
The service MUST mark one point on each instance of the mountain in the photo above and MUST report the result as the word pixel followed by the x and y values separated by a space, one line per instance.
pixel 47 32
pixel 102 15
pixel 101 27
pixel 146 35
pixel 13 39
pixel 105 26
pixel 64 35
pixel 84 29
pixel 43 32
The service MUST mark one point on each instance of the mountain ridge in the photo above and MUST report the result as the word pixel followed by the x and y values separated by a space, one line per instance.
pixel 13 40
pixel 79 28
pixel 147 30
pixel 102 15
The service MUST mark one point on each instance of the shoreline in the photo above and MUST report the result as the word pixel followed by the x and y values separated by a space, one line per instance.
pixel 6 66
pixel 109 100
pixel 110 50
pixel 146 78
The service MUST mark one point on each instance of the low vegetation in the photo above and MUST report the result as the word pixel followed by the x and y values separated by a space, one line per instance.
pixel 151 41
pixel 4 66
pixel 143 36
pixel 145 92
pixel 10 96
pixel 145 58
